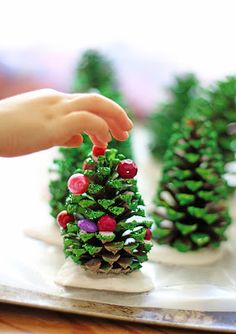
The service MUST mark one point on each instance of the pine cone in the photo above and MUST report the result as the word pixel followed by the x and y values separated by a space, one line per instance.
pixel 191 211
pixel 113 209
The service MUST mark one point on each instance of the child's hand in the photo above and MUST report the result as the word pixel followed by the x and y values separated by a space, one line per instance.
pixel 44 118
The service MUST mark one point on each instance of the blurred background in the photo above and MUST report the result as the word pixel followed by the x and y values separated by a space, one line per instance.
pixel 148 42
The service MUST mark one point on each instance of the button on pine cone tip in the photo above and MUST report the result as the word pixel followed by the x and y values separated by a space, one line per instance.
pixel 127 169
pixel 97 151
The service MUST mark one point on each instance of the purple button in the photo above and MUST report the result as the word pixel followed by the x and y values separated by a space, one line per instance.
pixel 87 225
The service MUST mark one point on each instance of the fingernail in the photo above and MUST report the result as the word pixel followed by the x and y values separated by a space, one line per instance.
pixel 110 138
pixel 131 124
pixel 126 135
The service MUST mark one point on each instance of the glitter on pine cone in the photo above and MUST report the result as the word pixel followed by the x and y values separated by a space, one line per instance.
pixel 127 169
pixel 78 184
pixel 106 224
pixel 63 218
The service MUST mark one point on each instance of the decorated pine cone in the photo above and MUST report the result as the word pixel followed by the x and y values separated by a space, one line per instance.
pixel 190 210
pixel 104 226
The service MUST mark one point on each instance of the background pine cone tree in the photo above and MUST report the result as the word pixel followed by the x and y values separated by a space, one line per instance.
pixel 104 226
pixel 223 115
pixel 190 205
pixel 95 73
pixel 161 121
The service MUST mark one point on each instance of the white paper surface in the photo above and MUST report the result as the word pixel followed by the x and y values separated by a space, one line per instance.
pixel 47 231
pixel 31 264
pixel 72 275
pixel 169 255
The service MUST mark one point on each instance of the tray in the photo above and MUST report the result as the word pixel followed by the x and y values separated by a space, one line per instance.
pixel 23 261
pixel 211 321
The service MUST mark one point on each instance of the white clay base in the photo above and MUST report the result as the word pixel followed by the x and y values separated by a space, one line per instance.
pixel 72 275
pixel 168 255
pixel 48 232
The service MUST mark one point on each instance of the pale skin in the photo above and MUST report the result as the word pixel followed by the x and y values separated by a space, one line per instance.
pixel 44 118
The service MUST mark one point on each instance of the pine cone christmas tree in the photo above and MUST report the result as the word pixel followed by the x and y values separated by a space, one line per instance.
pixel 191 211
pixel 94 73
pixel 223 115
pixel 104 226
pixel 160 124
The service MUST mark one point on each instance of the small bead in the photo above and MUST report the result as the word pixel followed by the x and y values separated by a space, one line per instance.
pixel 148 235
pixel 87 225
pixel 127 169
pixel 106 224
pixel 98 151
pixel 63 218
pixel 78 184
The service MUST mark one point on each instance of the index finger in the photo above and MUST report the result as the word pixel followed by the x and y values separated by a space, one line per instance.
pixel 102 107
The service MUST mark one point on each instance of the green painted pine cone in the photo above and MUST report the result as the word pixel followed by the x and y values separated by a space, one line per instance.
pixel 190 208
pixel 109 232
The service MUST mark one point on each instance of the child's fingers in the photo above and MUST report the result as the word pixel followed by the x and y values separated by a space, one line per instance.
pixel 83 121
pixel 116 131
pixel 74 141
pixel 97 142
pixel 101 106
